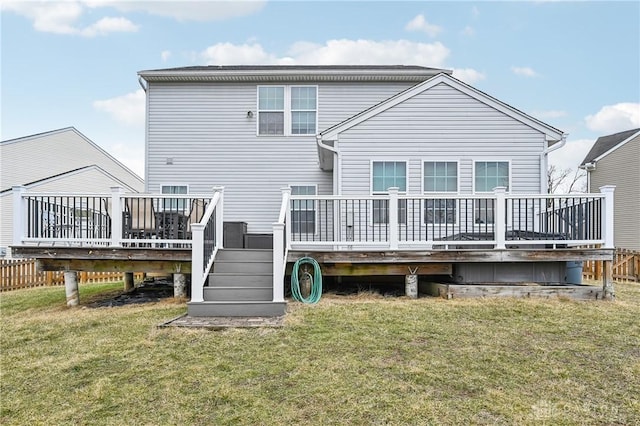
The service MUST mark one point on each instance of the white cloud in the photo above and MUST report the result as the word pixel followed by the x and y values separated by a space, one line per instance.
pixel 64 17
pixel 615 118
pixel 109 25
pixel 468 75
pixel 333 52
pixel 524 71
pixel 419 23
pixel 475 12
pixel 128 109
pixel 165 55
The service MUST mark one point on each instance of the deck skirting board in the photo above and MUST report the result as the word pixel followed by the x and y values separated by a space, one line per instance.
pixel 460 291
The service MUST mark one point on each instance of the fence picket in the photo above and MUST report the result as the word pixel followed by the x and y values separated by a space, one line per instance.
pixel 626 267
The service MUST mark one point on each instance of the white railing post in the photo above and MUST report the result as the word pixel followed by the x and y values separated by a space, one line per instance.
pixel 499 217
pixel 393 218
pixel 278 262
pixel 286 195
pixel 607 216
pixel 219 217
pixel 116 215
pixel 197 262
pixel 19 211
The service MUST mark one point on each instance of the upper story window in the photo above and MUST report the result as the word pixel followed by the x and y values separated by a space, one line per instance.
pixel 287 110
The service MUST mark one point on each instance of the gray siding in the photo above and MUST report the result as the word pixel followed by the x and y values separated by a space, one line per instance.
pixel 203 128
pixel 622 168
pixel 441 124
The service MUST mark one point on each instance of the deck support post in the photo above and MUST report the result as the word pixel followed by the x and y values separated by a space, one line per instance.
pixel 179 285
pixel 608 292
pixel 19 214
pixel 128 281
pixel 499 216
pixel 411 284
pixel 71 288
pixel 393 218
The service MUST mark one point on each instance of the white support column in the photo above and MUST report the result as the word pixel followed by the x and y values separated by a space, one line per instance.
pixel 393 218
pixel 607 216
pixel 220 217
pixel 197 262
pixel 116 215
pixel 278 262
pixel 71 288
pixel 499 217
pixel 19 212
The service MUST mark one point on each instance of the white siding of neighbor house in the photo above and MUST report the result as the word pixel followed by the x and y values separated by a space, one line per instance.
pixel 91 180
pixel 203 129
pixel 30 159
pixel 441 124
pixel 622 168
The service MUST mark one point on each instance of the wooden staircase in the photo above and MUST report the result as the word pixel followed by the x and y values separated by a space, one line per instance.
pixel 240 285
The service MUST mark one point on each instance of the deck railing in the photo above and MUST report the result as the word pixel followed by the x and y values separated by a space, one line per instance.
pixel 281 234
pixel 115 219
pixel 207 240
pixel 442 221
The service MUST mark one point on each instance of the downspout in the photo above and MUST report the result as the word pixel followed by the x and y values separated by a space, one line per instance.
pixel 146 133
pixel 337 189
pixel 544 160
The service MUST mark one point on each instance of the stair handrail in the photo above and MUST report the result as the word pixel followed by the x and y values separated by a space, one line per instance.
pixel 207 237
pixel 281 240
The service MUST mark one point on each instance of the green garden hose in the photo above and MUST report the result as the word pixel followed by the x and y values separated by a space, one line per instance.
pixel 316 281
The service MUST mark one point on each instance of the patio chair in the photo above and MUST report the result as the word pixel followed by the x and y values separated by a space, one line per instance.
pixel 198 207
pixel 141 218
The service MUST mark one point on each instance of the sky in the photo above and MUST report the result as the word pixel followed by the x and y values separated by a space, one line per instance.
pixel 573 65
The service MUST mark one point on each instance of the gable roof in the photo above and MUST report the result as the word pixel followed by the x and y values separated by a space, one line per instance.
pixel 553 135
pixel 604 145
pixel 69 173
pixel 111 163
pixel 254 73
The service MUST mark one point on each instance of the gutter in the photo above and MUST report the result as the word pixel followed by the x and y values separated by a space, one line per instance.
pixel 141 83
pixel 337 173
pixel 544 162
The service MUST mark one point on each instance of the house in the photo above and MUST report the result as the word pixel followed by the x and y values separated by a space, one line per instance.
pixel 370 170
pixel 61 160
pixel 615 159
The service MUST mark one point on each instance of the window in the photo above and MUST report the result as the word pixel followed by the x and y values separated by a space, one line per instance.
pixel 385 175
pixel 303 212
pixel 440 177
pixel 287 110
pixel 303 110
pixel 174 203
pixel 488 175
pixel 271 110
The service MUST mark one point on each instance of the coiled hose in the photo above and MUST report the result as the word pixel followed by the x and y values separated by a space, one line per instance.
pixel 316 281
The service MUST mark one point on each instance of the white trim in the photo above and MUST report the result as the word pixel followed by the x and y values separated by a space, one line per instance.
pixel 551 133
pixel 601 156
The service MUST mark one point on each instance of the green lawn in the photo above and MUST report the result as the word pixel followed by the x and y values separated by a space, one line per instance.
pixel 348 360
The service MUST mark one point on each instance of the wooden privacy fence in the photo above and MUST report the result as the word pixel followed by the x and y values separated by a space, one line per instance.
pixel 22 273
pixel 626 267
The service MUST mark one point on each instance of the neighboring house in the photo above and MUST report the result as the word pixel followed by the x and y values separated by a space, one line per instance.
pixel 61 160
pixel 615 160
pixel 333 130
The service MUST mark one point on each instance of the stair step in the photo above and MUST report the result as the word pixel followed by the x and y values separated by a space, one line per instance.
pixel 242 267
pixel 236 309
pixel 244 255
pixel 232 279
pixel 220 293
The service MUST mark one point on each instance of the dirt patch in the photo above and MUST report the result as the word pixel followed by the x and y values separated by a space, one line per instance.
pixel 147 292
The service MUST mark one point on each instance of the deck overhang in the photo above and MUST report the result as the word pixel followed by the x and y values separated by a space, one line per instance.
pixel 103 259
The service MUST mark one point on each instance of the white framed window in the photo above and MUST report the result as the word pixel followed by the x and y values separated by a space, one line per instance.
pixel 303 212
pixel 174 203
pixel 287 110
pixel 487 176
pixel 440 176
pixel 385 175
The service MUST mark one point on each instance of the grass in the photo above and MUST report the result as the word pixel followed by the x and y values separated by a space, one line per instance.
pixel 362 359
